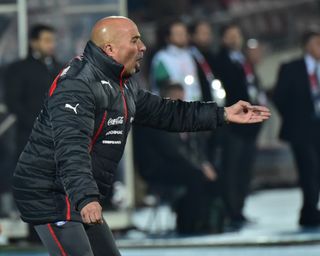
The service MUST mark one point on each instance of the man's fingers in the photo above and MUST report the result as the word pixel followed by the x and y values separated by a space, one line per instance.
pixel 261 115
pixel 91 213
pixel 92 217
pixel 256 120
pixel 259 108
pixel 260 111
pixel 85 218
pixel 98 216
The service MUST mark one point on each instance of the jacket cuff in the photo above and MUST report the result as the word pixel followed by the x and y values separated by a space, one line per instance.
pixel 221 116
pixel 86 201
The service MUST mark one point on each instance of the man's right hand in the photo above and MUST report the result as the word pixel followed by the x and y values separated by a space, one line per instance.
pixel 92 213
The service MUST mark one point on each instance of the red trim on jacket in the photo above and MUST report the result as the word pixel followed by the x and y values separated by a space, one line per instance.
pixel 95 137
pixel 68 215
pixel 54 84
pixel 63 252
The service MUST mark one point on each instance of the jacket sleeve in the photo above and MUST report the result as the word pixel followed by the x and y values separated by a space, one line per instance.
pixel 176 115
pixel 72 114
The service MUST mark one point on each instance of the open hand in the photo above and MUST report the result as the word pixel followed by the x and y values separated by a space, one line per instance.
pixel 244 113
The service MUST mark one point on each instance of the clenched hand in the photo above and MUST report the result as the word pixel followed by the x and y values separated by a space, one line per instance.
pixel 92 213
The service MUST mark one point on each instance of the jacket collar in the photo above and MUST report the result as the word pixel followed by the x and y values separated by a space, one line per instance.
pixel 106 64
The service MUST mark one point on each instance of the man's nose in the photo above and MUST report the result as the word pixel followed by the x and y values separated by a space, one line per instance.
pixel 143 47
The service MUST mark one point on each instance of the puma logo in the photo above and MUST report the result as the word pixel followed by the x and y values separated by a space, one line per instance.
pixel 73 108
pixel 107 83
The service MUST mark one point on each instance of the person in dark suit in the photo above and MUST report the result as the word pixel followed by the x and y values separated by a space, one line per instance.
pixel 237 74
pixel 26 81
pixel 201 49
pixel 202 52
pixel 297 98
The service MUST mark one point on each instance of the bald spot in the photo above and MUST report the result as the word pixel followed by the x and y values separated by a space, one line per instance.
pixel 110 29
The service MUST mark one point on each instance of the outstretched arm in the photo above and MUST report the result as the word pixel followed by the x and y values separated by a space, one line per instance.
pixel 180 116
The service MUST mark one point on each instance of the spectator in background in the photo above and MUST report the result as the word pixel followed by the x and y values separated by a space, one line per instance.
pixel 202 52
pixel 173 63
pixel 238 76
pixel 254 54
pixel 212 89
pixel 179 160
pixel 26 81
pixel 7 157
pixel 297 97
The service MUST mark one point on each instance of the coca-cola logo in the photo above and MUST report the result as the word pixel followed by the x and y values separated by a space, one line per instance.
pixel 115 121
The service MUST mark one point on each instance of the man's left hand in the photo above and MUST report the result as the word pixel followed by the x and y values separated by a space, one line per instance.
pixel 244 113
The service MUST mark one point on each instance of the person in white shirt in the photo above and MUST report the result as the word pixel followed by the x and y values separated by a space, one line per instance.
pixel 174 64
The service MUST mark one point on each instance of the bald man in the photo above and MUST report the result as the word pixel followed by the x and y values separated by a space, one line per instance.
pixel 68 165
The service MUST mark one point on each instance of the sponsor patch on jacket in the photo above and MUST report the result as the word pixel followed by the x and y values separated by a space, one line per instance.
pixel 112 142
pixel 114 132
pixel 115 121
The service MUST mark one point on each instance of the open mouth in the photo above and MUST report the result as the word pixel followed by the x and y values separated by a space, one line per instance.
pixel 140 58
pixel 138 61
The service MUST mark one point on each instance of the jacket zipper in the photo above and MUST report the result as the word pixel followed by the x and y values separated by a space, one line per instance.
pixel 95 137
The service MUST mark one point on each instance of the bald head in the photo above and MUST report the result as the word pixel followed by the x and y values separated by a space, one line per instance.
pixel 109 29
pixel 120 39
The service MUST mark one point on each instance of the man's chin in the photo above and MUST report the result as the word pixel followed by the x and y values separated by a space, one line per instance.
pixel 131 72
pixel 136 69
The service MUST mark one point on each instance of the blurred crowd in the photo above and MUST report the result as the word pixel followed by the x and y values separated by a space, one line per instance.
pixel 205 177
pixel 184 67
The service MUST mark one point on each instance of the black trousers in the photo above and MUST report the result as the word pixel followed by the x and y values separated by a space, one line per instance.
pixel 237 161
pixel 77 239
pixel 307 156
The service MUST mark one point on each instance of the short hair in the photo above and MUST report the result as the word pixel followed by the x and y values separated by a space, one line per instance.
pixel 226 27
pixel 194 26
pixel 308 35
pixel 164 30
pixel 37 29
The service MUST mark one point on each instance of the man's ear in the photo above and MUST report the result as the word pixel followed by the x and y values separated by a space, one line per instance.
pixel 108 49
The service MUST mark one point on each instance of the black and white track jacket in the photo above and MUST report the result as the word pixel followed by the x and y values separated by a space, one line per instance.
pixel 80 135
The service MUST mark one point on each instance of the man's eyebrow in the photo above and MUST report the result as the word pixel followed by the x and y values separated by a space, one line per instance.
pixel 136 37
